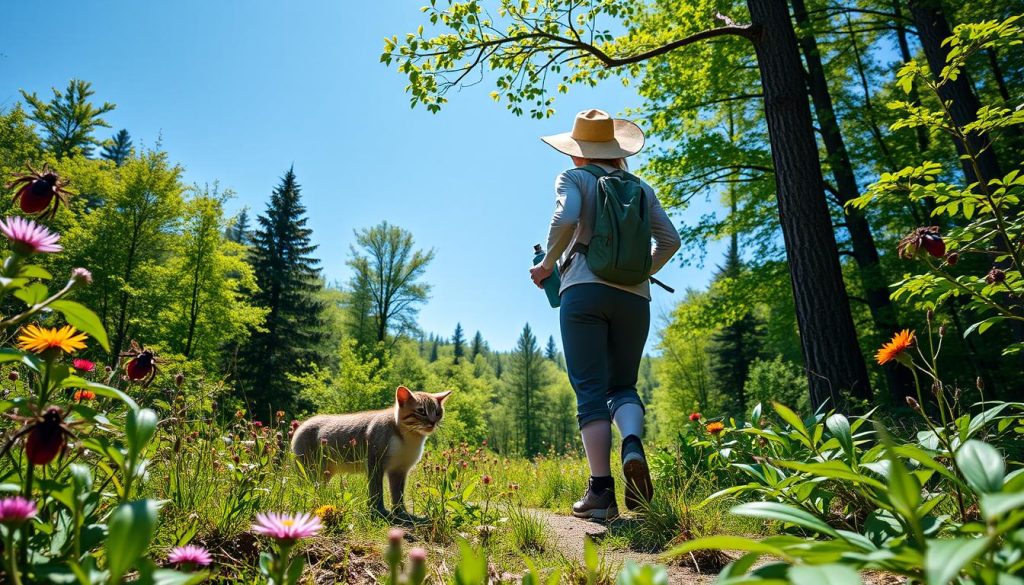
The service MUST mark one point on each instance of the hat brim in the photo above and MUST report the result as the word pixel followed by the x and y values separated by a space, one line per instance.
pixel 629 140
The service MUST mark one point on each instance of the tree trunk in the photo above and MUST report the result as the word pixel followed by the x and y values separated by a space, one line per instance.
pixel 865 253
pixel 831 354
pixel 933 29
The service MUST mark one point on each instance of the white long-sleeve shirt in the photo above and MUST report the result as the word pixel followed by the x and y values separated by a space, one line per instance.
pixel 573 221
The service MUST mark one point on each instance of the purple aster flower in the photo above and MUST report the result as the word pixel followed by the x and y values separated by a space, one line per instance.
pixel 28 237
pixel 286 527
pixel 189 555
pixel 16 510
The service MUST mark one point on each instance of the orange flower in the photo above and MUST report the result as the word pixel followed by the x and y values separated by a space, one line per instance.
pixel 38 339
pixel 715 427
pixel 81 395
pixel 894 350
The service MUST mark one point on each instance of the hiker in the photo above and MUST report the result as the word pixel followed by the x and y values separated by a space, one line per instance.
pixel 605 295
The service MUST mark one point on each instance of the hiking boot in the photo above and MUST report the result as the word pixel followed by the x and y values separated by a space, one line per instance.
pixel 639 489
pixel 596 504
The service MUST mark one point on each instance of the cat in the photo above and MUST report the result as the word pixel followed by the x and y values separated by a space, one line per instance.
pixel 388 441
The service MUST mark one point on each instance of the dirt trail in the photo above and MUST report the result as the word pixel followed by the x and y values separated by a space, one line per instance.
pixel 567 534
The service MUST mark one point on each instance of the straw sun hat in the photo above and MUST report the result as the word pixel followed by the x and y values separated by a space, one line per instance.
pixel 595 134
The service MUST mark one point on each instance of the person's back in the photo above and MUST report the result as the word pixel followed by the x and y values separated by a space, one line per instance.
pixel 576 190
pixel 604 323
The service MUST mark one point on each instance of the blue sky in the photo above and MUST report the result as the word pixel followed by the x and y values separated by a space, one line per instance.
pixel 239 90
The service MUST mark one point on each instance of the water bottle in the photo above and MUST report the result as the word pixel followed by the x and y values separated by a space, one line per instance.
pixel 552 283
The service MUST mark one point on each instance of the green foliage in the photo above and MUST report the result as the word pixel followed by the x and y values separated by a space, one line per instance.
pixel 126 240
pixel 735 346
pixel 69 120
pixel 986 218
pixel 357 383
pixel 19 144
pixel 119 148
pixel 209 285
pixel 527 376
pixel 778 380
pixel 88 526
pixel 386 289
pixel 288 282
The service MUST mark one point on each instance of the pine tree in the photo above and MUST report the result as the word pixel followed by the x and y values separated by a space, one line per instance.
pixel 288 280
pixel 240 231
pixel 433 350
pixel 459 341
pixel 68 120
pixel 551 351
pixel 526 379
pixel 119 148
pixel 736 345
pixel 478 345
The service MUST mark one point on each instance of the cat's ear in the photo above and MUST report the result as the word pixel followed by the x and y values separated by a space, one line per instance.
pixel 440 397
pixel 403 395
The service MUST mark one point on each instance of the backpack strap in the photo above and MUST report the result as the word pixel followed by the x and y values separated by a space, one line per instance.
pixel 579 248
pixel 595 170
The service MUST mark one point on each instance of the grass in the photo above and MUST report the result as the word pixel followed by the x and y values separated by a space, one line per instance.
pixel 215 481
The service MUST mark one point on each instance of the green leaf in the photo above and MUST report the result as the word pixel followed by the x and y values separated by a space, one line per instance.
pixel 982 466
pixel 839 426
pixel 995 505
pixel 790 417
pixel 833 574
pixel 140 428
pixel 634 573
pixel 472 567
pixel 833 470
pixel 169 577
pixel 590 554
pixel 784 513
pixel 32 294
pixel 946 558
pixel 131 528
pixel 915 453
pixel 726 542
pixel 9 354
pixel 99 389
pixel 33 271
pixel 83 319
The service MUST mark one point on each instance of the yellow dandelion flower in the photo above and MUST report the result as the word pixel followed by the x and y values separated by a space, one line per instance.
pixel 38 339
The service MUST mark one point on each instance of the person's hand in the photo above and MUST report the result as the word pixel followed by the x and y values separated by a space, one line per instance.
pixel 539 274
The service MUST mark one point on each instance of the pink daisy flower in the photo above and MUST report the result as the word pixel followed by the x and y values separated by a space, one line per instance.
pixel 28 237
pixel 83 365
pixel 16 510
pixel 286 527
pixel 189 555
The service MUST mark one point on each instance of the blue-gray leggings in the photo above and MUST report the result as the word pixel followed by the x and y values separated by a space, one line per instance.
pixel 604 330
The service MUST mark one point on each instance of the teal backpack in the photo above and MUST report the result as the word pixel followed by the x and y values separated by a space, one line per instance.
pixel 620 249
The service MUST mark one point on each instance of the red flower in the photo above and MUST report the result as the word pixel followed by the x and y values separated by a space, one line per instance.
pixel 81 395
pixel 83 365
pixel 695 417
